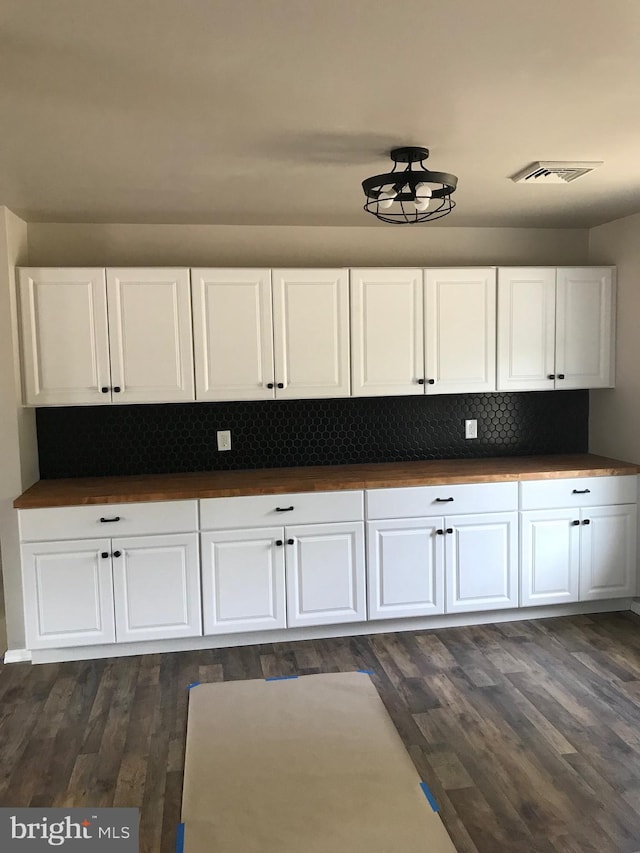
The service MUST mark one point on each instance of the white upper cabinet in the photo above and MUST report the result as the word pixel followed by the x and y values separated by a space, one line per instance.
pixel 526 329
pixel 555 328
pixel 387 329
pixel 584 328
pixel 233 334
pixel 264 335
pixel 150 335
pixel 311 333
pixel 65 344
pixel 460 330
pixel 423 331
pixel 90 337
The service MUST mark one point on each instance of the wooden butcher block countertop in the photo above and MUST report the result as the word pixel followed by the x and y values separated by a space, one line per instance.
pixel 218 484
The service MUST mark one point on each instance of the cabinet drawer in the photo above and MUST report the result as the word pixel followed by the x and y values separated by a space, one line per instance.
pixel 578 492
pixel 270 510
pixel 417 501
pixel 84 522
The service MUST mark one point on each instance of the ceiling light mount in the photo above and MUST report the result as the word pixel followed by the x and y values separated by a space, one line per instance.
pixel 405 196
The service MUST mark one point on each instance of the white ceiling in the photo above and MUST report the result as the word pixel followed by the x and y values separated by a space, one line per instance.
pixel 273 111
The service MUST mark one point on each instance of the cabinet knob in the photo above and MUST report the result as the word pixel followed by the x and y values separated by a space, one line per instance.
pixel 269 384
pixel 420 381
pixel 449 529
pixel 280 385
pixel 581 492
pixel 284 509
pixel 117 553
pixel 104 555
pixel 431 381
pixel 561 376
pixel 105 389
pixel 109 520
pixel 279 542
pixel 443 500
pixel 116 389
pixel 551 376
pixel 574 523
pixel 587 521
pixel 289 541
pixel 440 532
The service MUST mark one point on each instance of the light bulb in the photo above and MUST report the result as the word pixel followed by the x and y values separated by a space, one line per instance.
pixel 386 197
pixel 423 197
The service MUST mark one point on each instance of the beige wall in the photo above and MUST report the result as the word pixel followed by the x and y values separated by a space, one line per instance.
pixel 226 245
pixel 614 424
pixel 18 451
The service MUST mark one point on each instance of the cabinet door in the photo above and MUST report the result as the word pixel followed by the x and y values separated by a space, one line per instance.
pixel 608 552
pixel 526 329
pixel 65 344
pixel 233 334
pixel 68 593
pixel 387 332
pixel 325 574
pixel 311 333
pixel 156 582
pixel 405 568
pixel 584 328
pixel 243 580
pixel 549 556
pixel 150 335
pixel 481 562
pixel 460 330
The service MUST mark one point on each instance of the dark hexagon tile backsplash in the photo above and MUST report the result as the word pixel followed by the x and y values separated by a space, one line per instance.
pixel 88 441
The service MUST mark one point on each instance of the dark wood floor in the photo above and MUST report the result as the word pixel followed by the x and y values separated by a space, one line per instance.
pixel 528 733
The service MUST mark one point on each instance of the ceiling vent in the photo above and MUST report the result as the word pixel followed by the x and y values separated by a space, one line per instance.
pixel 555 172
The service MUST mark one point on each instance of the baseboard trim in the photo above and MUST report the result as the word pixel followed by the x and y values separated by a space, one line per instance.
pixel 352 629
pixel 634 606
pixel 17 656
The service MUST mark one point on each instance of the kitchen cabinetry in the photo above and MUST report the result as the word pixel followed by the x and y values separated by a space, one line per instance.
pixel 309 571
pixel 555 328
pixel 91 336
pixel 93 590
pixel 271 334
pixel 422 331
pixel 578 539
pixel 421 562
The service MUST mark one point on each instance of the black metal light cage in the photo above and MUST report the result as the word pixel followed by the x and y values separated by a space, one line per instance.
pixel 404 182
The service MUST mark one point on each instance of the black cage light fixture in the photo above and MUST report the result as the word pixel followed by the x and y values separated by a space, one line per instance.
pixel 411 194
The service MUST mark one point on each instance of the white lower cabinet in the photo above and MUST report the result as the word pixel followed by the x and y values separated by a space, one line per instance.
pixel 405 561
pixel 578 539
pixel 325 574
pixel 245 573
pixel 549 556
pixel 608 552
pixel 68 593
pixel 156 583
pixel 451 564
pixel 243 580
pixel 481 559
pixel 94 591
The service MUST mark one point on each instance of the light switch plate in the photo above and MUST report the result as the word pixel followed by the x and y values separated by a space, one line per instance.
pixel 224 439
pixel 471 428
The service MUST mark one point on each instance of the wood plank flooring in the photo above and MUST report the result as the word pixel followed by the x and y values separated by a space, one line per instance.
pixel 528 733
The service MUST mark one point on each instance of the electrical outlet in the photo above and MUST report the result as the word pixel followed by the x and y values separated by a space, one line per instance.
pixel 224 439
pixel 471 428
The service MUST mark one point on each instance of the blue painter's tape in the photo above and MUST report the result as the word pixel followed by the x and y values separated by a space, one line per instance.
pixel 193 684
pixel 281 677
pixel 429 796
pixel 180 838
pixel 366 671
